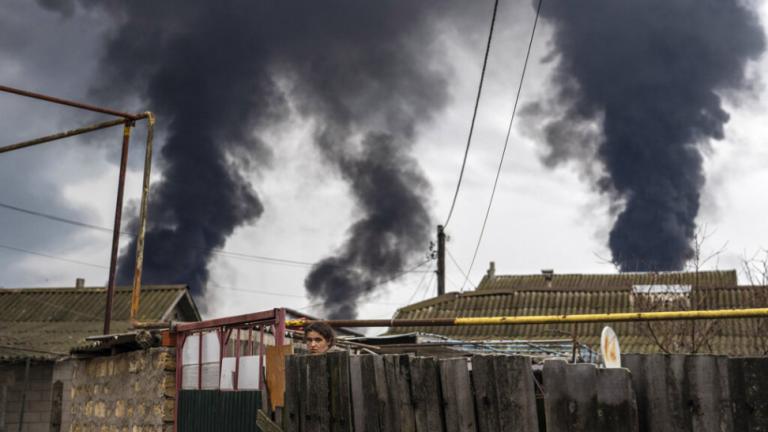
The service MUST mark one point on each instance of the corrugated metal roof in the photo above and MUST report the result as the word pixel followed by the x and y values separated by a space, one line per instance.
pixel 734 337
pixel 48 322
pixel 601 282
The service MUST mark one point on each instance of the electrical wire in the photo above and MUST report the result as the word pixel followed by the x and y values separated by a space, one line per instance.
pixel 418 288
pixel 506 143
pixel 463 273
pixel 474 114
pixel 396 276
pixel 222 252
pixel 53 257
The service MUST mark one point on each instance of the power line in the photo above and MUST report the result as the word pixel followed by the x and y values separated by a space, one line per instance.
pixel 506 143
pixel 236 255
pixel 474 114
pixel 53 257
pixel 396 276
pixel 466 275
pixel 418 288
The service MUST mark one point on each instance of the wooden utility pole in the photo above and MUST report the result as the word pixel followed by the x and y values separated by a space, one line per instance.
pixel 440 260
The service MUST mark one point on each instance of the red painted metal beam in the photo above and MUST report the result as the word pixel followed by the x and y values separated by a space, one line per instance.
pixel 266 317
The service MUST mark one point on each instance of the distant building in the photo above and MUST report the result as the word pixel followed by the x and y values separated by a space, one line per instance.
pixel 549 293
pixel 43 326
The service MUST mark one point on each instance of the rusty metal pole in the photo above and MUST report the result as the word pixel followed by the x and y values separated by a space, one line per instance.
pixel 61 135
pixel 116 230
pixel 136 292
pixel 69 103
pixel 440 260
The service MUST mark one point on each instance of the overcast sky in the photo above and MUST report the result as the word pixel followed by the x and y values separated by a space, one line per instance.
pixel 541 218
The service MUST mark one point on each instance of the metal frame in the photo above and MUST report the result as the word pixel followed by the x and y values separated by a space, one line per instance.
pixel 128 121
pixel 223 327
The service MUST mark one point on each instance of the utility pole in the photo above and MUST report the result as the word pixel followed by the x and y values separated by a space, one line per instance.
pixel 440 260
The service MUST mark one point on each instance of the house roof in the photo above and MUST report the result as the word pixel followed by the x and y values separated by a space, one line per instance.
pixel 601 282
pixel 735 336
pixel 46 323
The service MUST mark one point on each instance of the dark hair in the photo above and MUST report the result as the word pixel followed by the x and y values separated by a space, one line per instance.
pixel 323 330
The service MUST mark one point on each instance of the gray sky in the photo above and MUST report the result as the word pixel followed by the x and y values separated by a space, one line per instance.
pixel 541 218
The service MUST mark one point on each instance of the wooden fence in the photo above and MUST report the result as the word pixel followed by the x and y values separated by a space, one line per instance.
pixel 491 393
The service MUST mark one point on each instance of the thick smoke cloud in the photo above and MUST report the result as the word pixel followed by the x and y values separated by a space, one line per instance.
pixel 638 86
pixel 365 73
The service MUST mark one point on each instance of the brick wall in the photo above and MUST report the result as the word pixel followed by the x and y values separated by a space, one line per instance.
pixel 37 410
pixel 128 392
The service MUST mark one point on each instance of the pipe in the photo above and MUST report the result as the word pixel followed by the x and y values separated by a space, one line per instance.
pixel 140 235
pixel 70 103
pixel 116 230
pixel 60 135
pixel 545 319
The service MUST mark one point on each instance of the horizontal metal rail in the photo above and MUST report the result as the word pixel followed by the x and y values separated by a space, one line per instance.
pixel 70 103
pixel 266 317
pixel 546 319
pixel 60 135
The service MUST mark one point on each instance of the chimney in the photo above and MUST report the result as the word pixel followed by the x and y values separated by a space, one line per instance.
pixel 491 273
pixel 548 274
pixel 79 283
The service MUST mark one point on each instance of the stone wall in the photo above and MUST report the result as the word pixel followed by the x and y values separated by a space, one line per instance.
pixel 37 408
pixel 128 392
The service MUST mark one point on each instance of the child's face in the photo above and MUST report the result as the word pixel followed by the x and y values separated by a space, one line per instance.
pixel 316 343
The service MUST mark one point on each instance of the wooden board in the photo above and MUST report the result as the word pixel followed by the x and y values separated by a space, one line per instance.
pixel 356 389
pixel 515 394
pixel 276 373
pixel 397 373
pixel 616 404
pixel 293 395
pixel 484 389
pixel 570 396
pixel 457 395
pixel 340 405
pixel 426 394
pixel 317 415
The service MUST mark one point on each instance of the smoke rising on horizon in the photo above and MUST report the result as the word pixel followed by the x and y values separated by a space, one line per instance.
pixel 637 86
pixel 365 73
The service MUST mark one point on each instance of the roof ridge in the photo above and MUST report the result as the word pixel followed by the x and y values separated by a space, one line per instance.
pixel 615 274
pixel 90 289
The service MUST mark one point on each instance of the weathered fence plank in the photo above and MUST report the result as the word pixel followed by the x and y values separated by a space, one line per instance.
pixel 570 396
pixel 426 395
pixel 356 389
pixel 749 392
pixel 339 400
pixel 373 414
pixel 293 415
pixel 616 404
pixel 386 420
pixel 458 404
pixel 515 393
pixel 649 377
pixel 678 396
pixel 484 387
pixel 706 393
pixel 398 378
pixel 317 414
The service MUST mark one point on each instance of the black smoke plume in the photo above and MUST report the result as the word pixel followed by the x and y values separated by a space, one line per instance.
pixel 365 73
pixel 649 75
